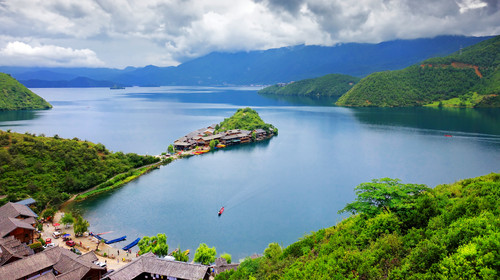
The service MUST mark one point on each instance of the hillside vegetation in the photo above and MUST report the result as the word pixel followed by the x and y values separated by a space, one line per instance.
pixel 247 119
pixel 332 85
pixel 474 69
pixel 400 231
pixel 49 169
pixel 15 96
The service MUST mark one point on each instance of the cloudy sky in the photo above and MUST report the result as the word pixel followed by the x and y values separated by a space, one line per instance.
pixel 119 33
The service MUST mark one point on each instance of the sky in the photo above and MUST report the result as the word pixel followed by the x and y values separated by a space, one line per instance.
pixel 120 33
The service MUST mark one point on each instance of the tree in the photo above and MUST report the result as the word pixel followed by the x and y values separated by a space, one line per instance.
pixel 213 143
pixel 273 252
pixel 180 255
pixel 204 254
pixel 383 195
pixel 227 257
pixel 171 149
pixel 67 219
pixel 81 225
pixel 48 214
pixel 155 244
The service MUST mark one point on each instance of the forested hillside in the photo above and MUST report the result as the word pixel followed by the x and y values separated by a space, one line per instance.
pixel 15 96
pixel 332 85
pixel 49 169
pixel 247 119
pixel 450 81
pixel 400 231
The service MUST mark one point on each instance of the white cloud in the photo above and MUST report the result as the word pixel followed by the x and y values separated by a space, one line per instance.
pixel 19 53
pixel 165 32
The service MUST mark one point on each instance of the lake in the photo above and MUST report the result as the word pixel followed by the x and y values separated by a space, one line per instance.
pixel 273 191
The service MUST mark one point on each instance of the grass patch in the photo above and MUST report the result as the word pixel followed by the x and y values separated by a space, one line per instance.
pixel 469 100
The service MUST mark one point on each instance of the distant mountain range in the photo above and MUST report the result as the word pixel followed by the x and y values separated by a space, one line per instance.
pixel 254 67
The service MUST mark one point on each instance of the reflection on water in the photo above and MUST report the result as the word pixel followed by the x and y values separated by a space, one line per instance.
pixel 484 120
pixel 302 100
pixel 12 116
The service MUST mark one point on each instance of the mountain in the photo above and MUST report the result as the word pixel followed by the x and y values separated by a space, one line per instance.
pixel 15 96
pixel 331 85
pixel 77 82
pixel 267 66
pixel 400 231
pixel 466 78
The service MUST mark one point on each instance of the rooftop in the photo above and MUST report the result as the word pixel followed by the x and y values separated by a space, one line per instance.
pixel 149 263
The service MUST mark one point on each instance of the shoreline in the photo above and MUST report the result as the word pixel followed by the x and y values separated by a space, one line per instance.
pixel 143 170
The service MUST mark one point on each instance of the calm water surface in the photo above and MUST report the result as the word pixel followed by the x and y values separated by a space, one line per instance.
pixel 274 191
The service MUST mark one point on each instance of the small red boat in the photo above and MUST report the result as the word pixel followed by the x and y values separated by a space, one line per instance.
pixel 448 135
pixel 221 211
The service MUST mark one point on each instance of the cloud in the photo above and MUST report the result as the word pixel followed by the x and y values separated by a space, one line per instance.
pixel 166 32
pixel 19 53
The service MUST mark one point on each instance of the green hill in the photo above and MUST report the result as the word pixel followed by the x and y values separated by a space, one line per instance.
pixel 247 119
pixel 400 231
pixel 467 78
pixel 15 96
pixel 332 85
pixel 49 169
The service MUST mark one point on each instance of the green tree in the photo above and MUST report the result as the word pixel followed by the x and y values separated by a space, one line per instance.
pixel 49 212
pixel 273 252
pixel 81 225
pixel 180 255
pixel 204 254
pixel 213 143
pixel 227 257
pixel 171 149
pixel 67 219
pixel 154 244
pixel 383 195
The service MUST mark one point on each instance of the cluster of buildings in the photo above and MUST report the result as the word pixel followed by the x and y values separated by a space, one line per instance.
pixel 203 137
pixel 19 261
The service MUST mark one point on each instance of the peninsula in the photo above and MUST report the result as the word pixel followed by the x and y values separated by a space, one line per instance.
pixel 244 126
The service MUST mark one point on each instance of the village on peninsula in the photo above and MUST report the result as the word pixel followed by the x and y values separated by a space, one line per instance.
pixel 245 126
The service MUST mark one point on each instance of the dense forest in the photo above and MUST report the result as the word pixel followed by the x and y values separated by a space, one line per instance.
pixel 15 96
pixel 399 231
pixel 49 169
pixel 332 85
pixel 474 69
pixel 247 119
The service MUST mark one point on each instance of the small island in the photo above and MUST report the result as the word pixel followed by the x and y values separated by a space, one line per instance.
pixel 245 126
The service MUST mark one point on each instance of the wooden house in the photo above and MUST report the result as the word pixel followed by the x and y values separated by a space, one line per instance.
pixel 54 263
pixel 221 265
pixel 20 230
pixel 17 220
pixel 12 250
pixel 148 266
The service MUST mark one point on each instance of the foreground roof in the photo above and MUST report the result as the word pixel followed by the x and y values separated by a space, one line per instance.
pixel 27 201
pixel 13 210
pixel 7 225
pixel 68 264
pixel 10 247
pixel 149 263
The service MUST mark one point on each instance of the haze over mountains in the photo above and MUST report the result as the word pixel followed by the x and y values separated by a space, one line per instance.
pixel 254 67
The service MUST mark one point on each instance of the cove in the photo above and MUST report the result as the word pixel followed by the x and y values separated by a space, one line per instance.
pixel 274 191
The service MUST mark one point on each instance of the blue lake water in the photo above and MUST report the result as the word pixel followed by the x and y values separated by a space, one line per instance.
pixel 273 191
